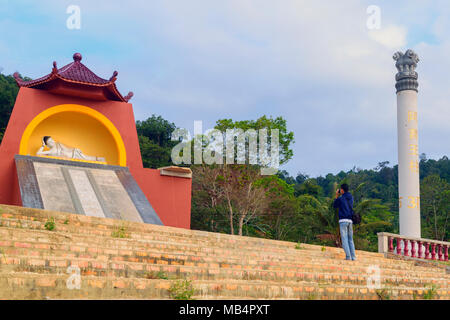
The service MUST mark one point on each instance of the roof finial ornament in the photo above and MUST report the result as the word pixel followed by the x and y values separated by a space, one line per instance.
pixel 77 57
pixel 114 76
pixel 55 68
pixel 128 96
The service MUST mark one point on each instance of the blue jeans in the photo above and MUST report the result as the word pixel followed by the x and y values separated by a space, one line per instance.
pixel 347 240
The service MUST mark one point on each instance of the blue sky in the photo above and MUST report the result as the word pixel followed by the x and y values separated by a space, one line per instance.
pixel 313 62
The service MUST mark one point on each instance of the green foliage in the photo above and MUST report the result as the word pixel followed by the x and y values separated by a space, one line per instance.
pixel 431 293
pixel 182 290
pixel 298 246
pixel 435 207
pixel 286 138
pixel 157 275
pixel 50 224
pixel 8 93
pixel 120 232
pixel 312 296
pixel 155 136
pixel 383 294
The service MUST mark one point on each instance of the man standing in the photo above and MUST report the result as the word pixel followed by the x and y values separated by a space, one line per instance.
pixel 344 202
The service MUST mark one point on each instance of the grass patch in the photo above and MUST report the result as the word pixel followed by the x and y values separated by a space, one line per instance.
pixel 50 224
pixel 182 290
pixel 3 254
pixel 383 294
pixel 120 232
pixel 66 221
pixel 431 293
pixel 157 275
pixel 312 296
pixel 447 263
pixel 298 246
pixel 323 249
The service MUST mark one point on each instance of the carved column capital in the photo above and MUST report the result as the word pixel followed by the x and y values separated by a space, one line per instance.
pixel 406 64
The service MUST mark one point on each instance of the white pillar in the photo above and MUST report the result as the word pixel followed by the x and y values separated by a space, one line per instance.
pixel 408 144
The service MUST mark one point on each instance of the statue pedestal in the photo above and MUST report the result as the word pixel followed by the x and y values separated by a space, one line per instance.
pixel 85 188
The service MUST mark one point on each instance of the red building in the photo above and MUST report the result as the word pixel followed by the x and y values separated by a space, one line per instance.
pixel 78 107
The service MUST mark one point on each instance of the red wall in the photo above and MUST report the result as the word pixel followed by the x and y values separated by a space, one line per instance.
pixel 169 196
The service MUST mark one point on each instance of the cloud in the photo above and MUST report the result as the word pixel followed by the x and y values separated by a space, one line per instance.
pixel 392 37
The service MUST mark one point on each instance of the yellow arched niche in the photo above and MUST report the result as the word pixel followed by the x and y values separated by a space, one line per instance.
pixel 76 126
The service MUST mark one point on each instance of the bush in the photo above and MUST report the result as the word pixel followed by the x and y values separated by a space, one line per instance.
pixel 182 290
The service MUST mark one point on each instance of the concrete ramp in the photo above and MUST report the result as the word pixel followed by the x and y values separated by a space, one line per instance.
pixel 84 188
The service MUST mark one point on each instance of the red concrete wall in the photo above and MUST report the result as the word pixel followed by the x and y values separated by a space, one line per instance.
pixel 169 196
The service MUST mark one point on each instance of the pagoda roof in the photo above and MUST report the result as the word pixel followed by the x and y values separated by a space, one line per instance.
pixel 77 80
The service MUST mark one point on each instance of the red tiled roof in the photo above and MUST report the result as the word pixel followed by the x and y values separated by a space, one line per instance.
pixel 78 73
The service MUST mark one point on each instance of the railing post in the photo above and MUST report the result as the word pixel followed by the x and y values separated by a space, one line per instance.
pixel 427 250
pixel 399 246
pixel 419 243
pixel 446 253
pixel 441 252
pixel 383 242
pixel 406 249
pixel 433 251
pixel 413 248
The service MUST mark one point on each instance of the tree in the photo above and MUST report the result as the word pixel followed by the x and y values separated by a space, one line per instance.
pixel 285 138
pixel 282 207
pixel 155 136
pixel 435 207
pixel 243 191
pixel 8 93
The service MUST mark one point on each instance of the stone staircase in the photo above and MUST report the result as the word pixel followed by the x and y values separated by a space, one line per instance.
pixel 126 260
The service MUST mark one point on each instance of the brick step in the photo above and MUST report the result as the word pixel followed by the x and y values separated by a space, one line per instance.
pixel 144 270
pixel 63 258
pixel 104 225
pixel 46 240
pixel 75 221
pixel 221 243
pixel 36 286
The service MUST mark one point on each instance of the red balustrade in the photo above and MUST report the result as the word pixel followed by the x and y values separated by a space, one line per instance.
pixel 413 248
pixel 441 252
pixel 427 250
pixel 406 247
pixel 422 249
pixel 433 251
pixel 399 246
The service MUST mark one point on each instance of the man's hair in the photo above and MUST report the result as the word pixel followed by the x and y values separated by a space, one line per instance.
pixel 46 138
pixel 344 187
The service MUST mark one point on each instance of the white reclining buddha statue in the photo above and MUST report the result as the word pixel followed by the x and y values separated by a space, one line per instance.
pixel 58 149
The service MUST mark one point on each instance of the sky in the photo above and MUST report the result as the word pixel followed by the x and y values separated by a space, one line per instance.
pixel 319 64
